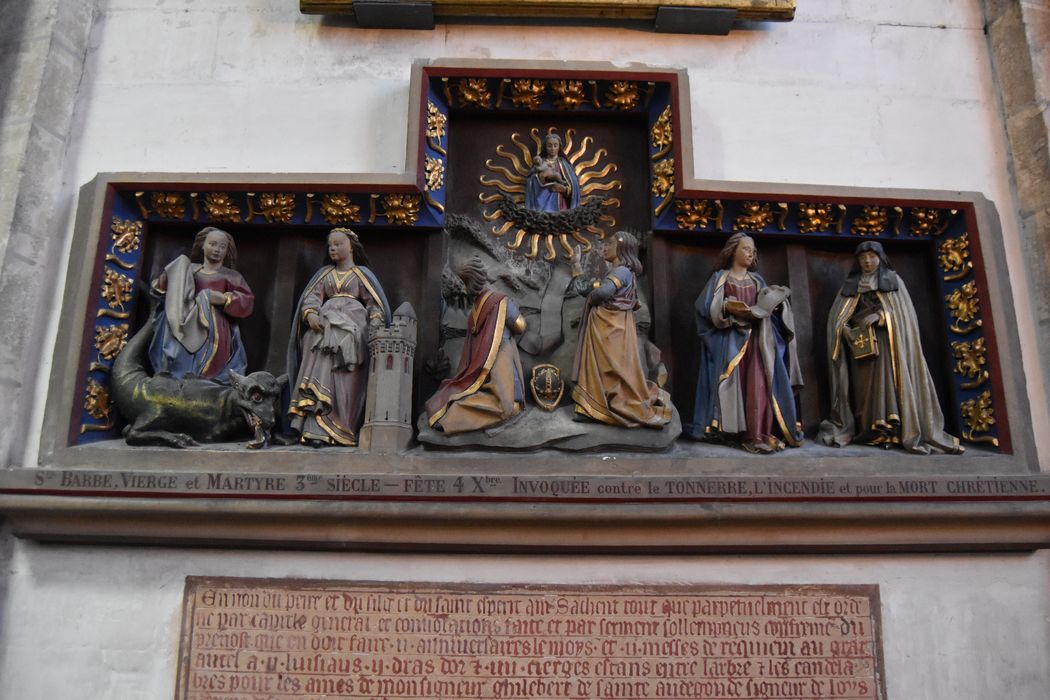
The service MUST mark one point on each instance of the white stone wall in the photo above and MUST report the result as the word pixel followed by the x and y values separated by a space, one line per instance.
pixel 853 92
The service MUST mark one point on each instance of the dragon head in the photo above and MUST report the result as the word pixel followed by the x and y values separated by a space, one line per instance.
pixel 258 395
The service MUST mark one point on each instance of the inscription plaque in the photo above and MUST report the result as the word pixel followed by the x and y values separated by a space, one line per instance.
pixel 263 638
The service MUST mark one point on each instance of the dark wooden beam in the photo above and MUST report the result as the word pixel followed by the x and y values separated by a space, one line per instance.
pixel 676 16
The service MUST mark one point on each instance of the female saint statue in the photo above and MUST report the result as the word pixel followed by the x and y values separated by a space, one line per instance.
pixel 194 328
pixel 610 384
pixel 328 348
pixel 881 389
pixel 748 364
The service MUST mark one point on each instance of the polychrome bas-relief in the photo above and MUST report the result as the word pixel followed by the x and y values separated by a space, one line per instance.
pixel 566 285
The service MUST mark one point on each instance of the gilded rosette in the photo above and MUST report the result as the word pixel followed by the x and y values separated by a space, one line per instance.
pixel 661 136
pixel 527 93
pixel 340 209
pixel 954 254
pixel 127 235
pixel 434 179
pixel 693 213
pixel 979 416
pixel 872 221
pixel 754 216
pixel 219 206
pixel 474 92
pixel 969 362
pixel 275 207
pixel 110 340
pixel 401 209
pixel 663 178
pixel 929 222
pixel 622 95
pixel 569 94
pixel 436 122
pixel 965 307
pixel 168 205
pixel 96 400
pixel 117 289
pixel 814 218
pixel 435 174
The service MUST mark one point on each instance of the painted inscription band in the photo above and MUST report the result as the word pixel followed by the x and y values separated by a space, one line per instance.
pixel 460 487
pixel 350 640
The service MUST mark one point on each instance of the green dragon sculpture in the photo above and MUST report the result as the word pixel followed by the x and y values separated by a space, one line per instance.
pixel 162 410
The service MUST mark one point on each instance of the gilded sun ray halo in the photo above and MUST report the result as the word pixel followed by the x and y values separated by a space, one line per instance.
pixel 503 190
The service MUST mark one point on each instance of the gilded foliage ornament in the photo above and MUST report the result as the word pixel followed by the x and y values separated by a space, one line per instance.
pixel 663 178
pixel 110 340
pixel 401 209
pixel 622 95
pixel 954 257
pixel 126 234
pixel 924 222
pixel 930 222
pixel 219 206
pixel 693 213
pixel 970 358
pixel 872 221
pixel 661 136
pixel 436 122
pixel 528 93
pixel 276 207
pixel 474 92
pixel 819 217
pixel 117 289
pixel 978 414
pixel 965 307
pixel 340 209
pixel 435 174
pixel 570 94
pixel 168 205
pixel 754 216
pixel 96 400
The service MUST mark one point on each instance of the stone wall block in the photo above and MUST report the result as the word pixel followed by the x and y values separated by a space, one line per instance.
pixel 1035 229
pixel 60 81
pixel 1014 67
pixel 1028 134
pixel 994 9
pixel 41 175
pixel 1037 27
pixel 45 67
pixel 1018 34
pixel 73 23
pixel 13 138
pixel 26 65
pixel 26 20
pixel 20 298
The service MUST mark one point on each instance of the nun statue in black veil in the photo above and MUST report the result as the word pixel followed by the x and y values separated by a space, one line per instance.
pixel 881 389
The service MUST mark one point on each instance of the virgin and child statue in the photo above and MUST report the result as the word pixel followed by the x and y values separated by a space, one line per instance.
pixel 552 184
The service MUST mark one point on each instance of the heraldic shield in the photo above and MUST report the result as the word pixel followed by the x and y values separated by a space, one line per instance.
pixel 547 386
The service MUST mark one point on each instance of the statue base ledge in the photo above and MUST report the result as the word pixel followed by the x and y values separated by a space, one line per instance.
pixel 559 429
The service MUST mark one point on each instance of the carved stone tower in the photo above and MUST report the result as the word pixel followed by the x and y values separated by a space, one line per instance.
pixel 388 409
